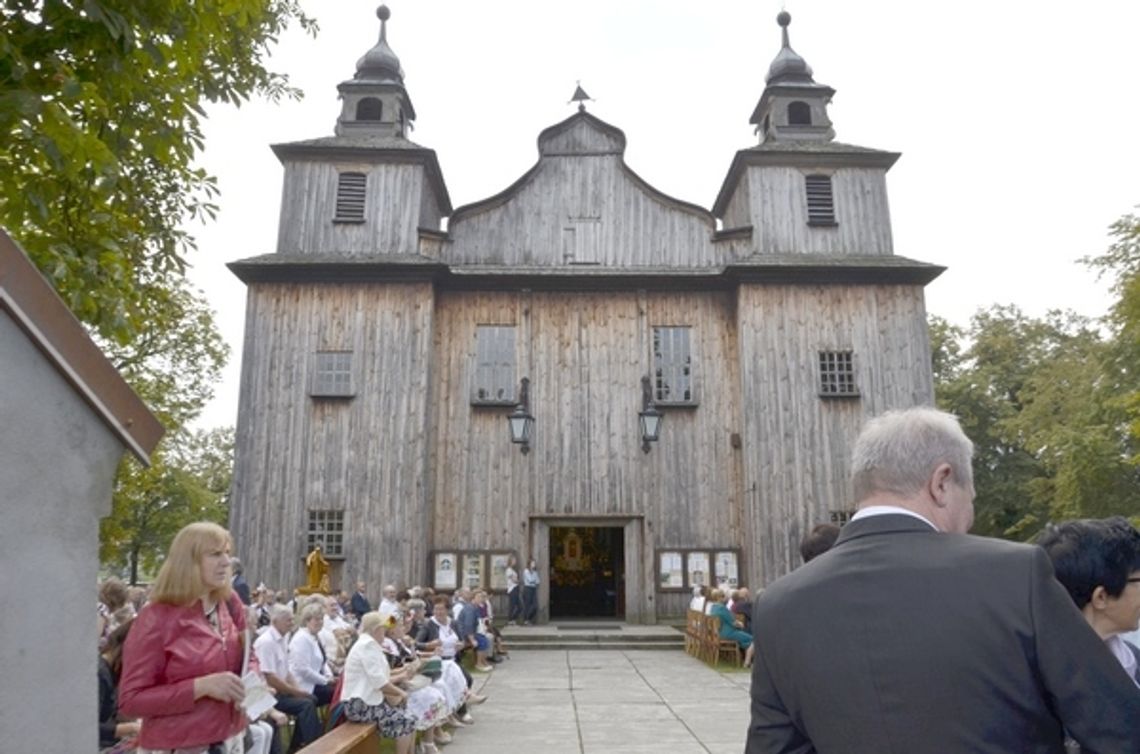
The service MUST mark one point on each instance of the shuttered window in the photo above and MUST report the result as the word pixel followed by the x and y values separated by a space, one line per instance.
pixel 820 200
pixel 332 375
pixel 673 366
pixel 494 380
pixel 350 192
pixel 326 528
pixel 837 374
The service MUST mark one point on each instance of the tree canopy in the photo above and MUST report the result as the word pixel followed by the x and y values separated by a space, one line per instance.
pixel 1052 404
pixel 100 110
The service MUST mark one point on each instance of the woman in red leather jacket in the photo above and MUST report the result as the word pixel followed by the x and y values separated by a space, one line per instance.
pixel 182 658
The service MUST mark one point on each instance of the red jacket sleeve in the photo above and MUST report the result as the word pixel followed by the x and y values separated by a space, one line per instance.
pixel 143 690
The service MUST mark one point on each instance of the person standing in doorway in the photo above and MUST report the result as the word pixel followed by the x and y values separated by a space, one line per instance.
pixel 514 594
pixel 530 592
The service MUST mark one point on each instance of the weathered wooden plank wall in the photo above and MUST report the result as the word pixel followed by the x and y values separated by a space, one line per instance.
pixel 366 456
pixel 585 354
pixel 797 445
pixel 774 201
pixel 398 201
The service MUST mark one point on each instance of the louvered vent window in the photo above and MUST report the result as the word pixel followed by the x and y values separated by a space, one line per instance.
pixel 820 201
pixel 350 197
pixel 332 375
pixel 837 374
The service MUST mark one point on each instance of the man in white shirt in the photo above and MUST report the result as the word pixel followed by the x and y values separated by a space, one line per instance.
pixel 272 649
pixel 388 603
pixel 308 663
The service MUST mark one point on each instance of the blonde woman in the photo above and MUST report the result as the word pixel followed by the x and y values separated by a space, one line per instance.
pixel 368 680
pixel 183 655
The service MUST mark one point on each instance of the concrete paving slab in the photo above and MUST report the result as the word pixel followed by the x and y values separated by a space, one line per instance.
pixel 590 701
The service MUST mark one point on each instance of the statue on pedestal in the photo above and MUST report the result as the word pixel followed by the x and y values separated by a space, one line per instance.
pixel 317 570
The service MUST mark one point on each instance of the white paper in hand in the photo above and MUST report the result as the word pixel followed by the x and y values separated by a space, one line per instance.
pixel 258 699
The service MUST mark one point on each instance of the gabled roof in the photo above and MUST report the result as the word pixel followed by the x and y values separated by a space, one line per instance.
pixel 553 142
pixel 47 322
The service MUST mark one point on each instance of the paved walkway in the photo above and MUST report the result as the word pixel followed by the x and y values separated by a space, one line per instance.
pixel 594 701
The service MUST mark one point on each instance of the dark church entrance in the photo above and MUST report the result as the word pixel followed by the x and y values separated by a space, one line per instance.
pixel 587 572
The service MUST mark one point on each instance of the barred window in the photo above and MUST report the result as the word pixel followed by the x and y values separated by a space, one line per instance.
pixel 332 375
pixel 350 191
pixel 837 374
pixel 673 380
pixel 820 200
pixel 326 528
pixel 494 381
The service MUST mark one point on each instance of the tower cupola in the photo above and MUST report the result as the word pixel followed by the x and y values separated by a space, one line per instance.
pixel 793 106
pixel 375 102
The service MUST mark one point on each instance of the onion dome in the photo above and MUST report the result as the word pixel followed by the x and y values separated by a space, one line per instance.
pixel 380 63
pixel 788 67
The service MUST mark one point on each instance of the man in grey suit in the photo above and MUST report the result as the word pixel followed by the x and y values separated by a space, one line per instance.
pixel 911 637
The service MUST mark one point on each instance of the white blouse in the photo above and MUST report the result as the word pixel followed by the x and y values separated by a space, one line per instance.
pixel 365 672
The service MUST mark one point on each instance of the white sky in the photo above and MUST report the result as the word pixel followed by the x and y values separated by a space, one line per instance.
pixel 1017 120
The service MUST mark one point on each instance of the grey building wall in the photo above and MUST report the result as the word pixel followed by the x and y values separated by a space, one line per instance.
pixel 59 461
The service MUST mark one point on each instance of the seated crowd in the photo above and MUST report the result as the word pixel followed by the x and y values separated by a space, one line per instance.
pixel 334 657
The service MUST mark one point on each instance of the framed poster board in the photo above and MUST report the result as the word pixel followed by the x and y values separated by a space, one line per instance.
pixel 682 568
pixel 474 570
pixel 727 570
pixel 670 570
pixel 697 569
pixel 445 568
pixel 498 575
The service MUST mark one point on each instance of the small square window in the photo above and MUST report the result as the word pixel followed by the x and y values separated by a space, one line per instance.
pixel 326 528
pixel 837 374
pixel 841 517
pixel 332 375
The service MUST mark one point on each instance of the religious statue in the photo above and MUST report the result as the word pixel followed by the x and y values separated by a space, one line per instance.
pixel 317 569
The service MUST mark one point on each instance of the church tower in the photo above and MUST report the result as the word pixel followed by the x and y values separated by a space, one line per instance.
pixel 799 190
pixel 368 190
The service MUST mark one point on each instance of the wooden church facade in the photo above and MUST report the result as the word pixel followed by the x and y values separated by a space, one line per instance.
pixel 382 356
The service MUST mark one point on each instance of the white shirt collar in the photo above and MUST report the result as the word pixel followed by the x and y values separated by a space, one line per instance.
pixel 882 510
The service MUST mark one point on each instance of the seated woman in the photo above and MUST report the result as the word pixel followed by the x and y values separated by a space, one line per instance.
pixel 1098 562
pixel 368 681
pixel 427 703
pixel 437 636
pixel 728 627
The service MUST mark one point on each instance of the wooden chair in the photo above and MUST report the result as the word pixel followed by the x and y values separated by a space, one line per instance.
pixel 693 632
pixel 719 647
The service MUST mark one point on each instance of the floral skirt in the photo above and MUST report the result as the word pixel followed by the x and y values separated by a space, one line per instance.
pixel 393 722
pixel 428 706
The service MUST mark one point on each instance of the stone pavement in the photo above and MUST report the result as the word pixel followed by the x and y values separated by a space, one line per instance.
pixel 595 701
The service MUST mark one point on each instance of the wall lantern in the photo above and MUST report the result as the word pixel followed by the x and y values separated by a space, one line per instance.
pixel 649 415
pixel 520 422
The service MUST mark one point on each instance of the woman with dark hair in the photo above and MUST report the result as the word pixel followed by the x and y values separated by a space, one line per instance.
pixel 183 656
pixel 1098 562
pixel 111 730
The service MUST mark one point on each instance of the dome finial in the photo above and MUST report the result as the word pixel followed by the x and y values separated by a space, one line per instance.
pixel 383 14
pixel 784 19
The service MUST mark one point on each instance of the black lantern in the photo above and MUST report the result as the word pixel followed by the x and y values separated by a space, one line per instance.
pixel 520 422
pixel 649 416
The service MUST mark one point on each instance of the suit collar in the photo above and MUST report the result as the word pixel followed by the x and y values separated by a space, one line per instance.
pixel 887 523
